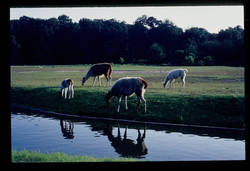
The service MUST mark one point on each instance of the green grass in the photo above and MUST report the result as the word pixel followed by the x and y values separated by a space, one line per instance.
pixel 26 156
pixel 213 95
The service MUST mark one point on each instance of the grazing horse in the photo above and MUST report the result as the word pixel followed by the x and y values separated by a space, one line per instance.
pixel 174 74
pixel 127 86
pixel 99 70
pixel 67 87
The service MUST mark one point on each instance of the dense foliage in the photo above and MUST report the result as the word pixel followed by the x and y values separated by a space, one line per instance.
pixel 148 40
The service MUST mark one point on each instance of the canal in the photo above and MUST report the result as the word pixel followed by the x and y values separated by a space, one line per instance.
pixel 97 138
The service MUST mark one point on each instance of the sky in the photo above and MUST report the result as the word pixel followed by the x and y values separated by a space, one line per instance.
pixel 211 18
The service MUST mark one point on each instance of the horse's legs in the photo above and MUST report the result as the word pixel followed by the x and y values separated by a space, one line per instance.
pixel 126 102
pixel 119 103
pixel 99 80
pixel 93 81
pixel 65 92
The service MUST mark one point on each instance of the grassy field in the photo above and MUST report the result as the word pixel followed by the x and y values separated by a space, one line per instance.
pixel 213 95
pixel 26 156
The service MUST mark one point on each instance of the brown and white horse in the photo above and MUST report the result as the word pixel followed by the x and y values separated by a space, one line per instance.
pixel 67 87
pixel 99 70
pixel 127 86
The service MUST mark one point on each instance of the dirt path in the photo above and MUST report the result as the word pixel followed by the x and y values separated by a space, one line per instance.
pixel 85 71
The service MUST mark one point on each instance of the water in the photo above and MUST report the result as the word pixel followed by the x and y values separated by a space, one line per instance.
pixel 101 139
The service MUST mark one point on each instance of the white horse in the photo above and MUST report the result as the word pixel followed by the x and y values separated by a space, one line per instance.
pixel 67 87
pixel 127 86
pixel 174 74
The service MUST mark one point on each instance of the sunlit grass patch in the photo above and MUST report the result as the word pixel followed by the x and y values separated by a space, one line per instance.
pixel 26 156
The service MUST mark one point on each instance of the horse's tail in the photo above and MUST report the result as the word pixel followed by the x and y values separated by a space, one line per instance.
pixel 110 71
pixel 143 82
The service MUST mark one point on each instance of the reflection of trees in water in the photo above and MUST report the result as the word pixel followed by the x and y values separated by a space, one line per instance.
pixel 124 146
pixel 67 128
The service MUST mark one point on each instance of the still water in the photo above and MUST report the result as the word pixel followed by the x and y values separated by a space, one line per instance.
pixel 42 133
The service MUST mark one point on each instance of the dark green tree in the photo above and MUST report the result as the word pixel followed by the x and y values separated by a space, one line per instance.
pixel 148 40
pixel 156 54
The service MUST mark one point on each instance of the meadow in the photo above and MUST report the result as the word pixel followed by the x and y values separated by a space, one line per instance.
pixel 214 95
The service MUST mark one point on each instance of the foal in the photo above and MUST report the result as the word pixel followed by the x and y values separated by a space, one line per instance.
pixel 67 87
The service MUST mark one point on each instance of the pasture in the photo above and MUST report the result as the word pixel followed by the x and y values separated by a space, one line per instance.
pixel 213 95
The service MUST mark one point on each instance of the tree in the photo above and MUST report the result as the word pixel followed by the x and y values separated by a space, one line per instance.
pixel 168 36
pixel 15 48
pixel 179 57
pixel 232 46
pixel 148 22
pixel 156 54
pixel 138 42
pixel 208 60
pixel 148 40
pixel 189 60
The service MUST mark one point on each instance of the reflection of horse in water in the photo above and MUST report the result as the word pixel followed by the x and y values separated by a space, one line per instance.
pixel 67 129
pixel 127 147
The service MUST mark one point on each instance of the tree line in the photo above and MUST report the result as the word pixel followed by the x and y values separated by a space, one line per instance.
pixel 60 41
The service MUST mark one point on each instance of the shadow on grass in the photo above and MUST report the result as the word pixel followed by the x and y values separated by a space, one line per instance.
pixel 225 111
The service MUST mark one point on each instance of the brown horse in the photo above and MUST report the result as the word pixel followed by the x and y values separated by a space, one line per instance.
pixel 99 70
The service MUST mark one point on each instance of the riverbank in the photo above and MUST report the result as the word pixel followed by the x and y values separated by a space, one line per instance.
pixel 26 156
pixel 222 111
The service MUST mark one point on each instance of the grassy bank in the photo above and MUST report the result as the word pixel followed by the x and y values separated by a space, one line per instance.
pixel 213 95
pixel 26 156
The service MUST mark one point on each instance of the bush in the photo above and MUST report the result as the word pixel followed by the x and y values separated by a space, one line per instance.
pixel 121 60
pixel 208 60
pixel 189 60
pixel 156 54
